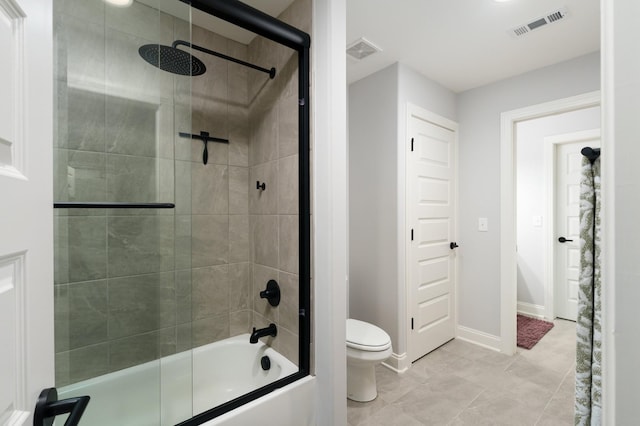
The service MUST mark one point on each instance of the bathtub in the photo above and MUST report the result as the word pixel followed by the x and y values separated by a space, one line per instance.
pixel 174 388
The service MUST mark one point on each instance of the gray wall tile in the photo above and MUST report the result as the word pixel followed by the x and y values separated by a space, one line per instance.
pixel 61 250
pixel 289 301
pixel 80 314
pixel 264 201
pixel 209 189
pixel 264 136
pixel 238 238
pixel 239 286
pixel 239 322
pixel 238 118
pixel 288 185
pixel 264 240
pixel 211 329
pixel 238 190
pixel 183 297
pixel 87 248
pixel 82 363
pixel 133 350
pixel 210 240
pixel 141 303
pixel 289 244
pixel 210 287
pixel 288 126
pixel 139 245
pixel 130 127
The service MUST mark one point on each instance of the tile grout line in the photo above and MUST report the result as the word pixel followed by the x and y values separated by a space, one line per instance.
pixel 468 405
pixel 553 395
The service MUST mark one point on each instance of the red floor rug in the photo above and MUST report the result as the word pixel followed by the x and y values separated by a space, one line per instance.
pixel 531 330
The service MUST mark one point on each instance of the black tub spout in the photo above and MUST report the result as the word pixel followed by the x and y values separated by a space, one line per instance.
pixel 267 331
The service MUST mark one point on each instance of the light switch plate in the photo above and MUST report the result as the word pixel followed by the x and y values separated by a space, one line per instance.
pixel 483 224
pixel 537 221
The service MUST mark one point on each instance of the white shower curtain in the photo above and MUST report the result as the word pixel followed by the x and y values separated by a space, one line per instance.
pixel 588 403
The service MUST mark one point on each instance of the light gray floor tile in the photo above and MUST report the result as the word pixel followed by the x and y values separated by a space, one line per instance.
pixel 463 384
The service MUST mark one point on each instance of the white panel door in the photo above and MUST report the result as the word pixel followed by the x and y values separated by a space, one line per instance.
pixel 567 253
pixel 26 215
pixel 431 222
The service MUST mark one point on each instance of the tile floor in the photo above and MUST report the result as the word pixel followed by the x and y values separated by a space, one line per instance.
pixel 464 384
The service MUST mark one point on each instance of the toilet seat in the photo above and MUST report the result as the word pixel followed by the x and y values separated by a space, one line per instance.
pixel 366 337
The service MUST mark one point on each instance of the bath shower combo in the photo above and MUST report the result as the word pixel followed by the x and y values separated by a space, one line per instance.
pixel 218 377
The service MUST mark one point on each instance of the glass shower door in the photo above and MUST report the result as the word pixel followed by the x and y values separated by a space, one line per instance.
pixel 119 241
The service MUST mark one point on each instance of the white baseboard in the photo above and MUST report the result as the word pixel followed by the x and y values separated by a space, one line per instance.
pixel 479 338
pixel 531 310
pixel 397 362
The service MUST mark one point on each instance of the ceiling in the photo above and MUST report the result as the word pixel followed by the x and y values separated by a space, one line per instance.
pixel 463 44
pixel 204 20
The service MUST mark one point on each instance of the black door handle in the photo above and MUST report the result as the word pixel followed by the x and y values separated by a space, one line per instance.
pixel 453 245
pixel 563 240
pixel 48 407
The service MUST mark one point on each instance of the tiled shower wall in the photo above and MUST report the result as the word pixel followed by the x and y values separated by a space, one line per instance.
pixel 134 285
pixel 273 159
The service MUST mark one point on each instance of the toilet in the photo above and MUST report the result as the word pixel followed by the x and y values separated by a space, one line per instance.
pixel 367 345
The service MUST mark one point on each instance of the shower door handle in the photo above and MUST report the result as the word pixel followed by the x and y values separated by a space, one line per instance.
pixel 48 407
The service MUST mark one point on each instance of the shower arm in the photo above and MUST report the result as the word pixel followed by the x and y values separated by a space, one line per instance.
pixel 271 72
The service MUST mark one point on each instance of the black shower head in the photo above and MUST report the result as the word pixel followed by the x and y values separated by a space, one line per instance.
pixel 172 59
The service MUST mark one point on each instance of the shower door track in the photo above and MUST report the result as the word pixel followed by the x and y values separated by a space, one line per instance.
pixel 258 22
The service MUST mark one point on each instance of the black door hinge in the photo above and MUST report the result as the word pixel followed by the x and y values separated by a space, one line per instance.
pixel 412 235
pixel 411 144
pixel 412 323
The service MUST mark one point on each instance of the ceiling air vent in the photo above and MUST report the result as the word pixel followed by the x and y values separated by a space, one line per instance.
pixel 535 24
pixel 362 48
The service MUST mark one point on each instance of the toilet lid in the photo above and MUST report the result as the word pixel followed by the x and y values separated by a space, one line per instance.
pixel 367 337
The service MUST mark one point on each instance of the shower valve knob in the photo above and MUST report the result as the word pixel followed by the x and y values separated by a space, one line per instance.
pixel 272 293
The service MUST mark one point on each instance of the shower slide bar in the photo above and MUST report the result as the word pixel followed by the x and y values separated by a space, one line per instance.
pixel 271 72
pixel 101 205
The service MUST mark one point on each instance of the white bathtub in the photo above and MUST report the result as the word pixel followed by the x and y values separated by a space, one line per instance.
pixel 174 388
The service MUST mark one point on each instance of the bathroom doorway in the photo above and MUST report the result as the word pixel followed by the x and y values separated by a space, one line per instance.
pixel 515 298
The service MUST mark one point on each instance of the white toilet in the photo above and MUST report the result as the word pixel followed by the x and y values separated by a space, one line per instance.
pixel 367 345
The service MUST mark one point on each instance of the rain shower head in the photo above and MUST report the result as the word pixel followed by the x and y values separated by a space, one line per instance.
pixel 172 59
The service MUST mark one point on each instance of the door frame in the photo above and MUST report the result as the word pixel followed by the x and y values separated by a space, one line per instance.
pixel 508 255
pixel 551 144
pixel 438 120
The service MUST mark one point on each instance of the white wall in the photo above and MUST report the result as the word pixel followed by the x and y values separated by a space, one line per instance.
pixel 621 186
pixel 479 176
pixel 377 129
pixel 329 166
pixel 373 105
pixel 532 197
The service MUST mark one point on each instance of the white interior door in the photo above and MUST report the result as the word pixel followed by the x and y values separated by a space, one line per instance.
pixel 26 218
pixel 567 223
pixel 431 221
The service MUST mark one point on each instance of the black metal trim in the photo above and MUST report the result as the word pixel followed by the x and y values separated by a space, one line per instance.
pixel 251 19
pixel 105 205
pixel 201 418
pixel 271 71
pixel 254 20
